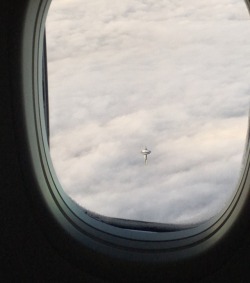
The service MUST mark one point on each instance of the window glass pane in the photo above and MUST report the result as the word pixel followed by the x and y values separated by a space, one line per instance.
pixel 172 76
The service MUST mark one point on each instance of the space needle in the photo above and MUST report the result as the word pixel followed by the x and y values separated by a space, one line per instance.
pixel 145 152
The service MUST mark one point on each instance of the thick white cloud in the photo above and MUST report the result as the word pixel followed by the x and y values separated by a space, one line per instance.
pixel 171 75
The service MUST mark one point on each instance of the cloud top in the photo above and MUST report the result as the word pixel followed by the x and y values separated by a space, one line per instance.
pixel 172 76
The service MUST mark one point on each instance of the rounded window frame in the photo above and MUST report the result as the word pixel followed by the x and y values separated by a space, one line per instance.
pixel 80 236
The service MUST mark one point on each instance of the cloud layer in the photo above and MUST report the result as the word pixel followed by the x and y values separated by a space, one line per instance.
pixel 171 75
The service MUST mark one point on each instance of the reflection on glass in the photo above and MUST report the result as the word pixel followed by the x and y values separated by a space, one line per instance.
pixel 169 75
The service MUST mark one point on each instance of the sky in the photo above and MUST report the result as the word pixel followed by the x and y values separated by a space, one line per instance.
pixel 169 75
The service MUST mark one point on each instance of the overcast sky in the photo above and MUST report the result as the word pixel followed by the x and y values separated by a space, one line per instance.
pixel 170 75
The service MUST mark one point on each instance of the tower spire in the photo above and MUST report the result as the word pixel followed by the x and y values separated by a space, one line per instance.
pixel 145 152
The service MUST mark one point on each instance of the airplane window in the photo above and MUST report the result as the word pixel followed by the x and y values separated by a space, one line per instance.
pixel 149 105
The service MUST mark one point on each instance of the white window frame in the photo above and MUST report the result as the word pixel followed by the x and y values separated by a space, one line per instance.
pixel 112 251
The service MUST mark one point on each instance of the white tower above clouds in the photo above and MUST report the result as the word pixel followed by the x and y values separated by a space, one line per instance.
pixel 145 152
